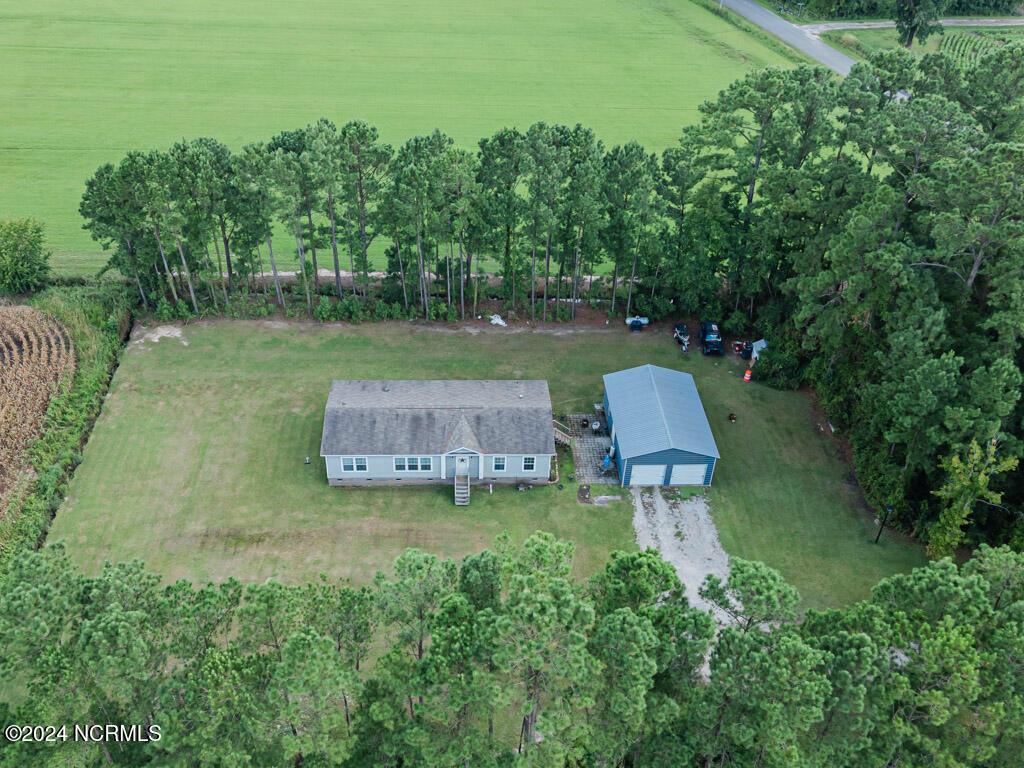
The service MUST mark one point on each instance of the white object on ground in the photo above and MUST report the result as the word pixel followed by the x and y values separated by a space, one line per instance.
pixel 496 320
pixel 685 536
pixel 756 348
pixel 141 335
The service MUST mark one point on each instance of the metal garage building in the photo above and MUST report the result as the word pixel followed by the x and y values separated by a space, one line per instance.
pixel 660 434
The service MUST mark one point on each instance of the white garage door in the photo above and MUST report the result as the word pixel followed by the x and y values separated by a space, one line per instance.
pixel 688 474
pixel 647 474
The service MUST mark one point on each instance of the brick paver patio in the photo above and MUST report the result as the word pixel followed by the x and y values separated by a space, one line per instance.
pixel 589 450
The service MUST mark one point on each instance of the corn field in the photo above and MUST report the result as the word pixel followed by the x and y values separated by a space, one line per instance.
pixel 966 47
pixel 36 355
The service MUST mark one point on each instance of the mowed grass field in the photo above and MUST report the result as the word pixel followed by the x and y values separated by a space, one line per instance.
pixel 196 464
pixel 85 82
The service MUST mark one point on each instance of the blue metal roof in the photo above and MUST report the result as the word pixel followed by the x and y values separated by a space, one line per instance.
pixel 657 409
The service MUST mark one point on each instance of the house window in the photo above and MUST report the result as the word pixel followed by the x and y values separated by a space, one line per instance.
pixel 498 463
pixel 529 463
pixel 353 463
pixel 412 463
pixel 360 464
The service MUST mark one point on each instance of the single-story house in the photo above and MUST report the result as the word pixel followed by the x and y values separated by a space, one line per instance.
pixel 437 431
pixel 659 431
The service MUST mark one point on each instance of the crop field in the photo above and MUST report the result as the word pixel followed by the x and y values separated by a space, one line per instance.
pixel 963 43
pixel 85 82
pixel 36 355
pixel 196 464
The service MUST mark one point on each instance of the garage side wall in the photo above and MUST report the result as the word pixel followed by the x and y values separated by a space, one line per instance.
pixel 610 421
pixel 669 458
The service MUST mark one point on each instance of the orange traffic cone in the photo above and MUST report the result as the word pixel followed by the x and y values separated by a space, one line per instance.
pixel 746 376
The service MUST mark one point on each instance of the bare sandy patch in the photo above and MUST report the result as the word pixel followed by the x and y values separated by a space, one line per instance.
pixel 141 335
pixel 685 535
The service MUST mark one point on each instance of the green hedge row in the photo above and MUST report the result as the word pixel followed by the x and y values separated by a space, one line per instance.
pixel 97 317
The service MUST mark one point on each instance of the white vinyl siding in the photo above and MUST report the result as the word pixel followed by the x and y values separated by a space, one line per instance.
pixel 498 463
pixel 688 474
pixel 529 463
pixel 647 474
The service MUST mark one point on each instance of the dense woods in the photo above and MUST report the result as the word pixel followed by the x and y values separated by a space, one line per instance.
pixel 503 659
pixel 868 227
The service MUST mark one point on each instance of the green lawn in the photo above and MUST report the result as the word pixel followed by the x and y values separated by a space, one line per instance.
pixel 84 82
pixel 861 43
pixel 196 464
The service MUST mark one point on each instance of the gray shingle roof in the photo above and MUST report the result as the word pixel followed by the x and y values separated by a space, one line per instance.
pixel 657 409
pixel 437 416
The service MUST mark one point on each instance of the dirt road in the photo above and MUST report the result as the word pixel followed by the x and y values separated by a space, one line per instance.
pixel 685 535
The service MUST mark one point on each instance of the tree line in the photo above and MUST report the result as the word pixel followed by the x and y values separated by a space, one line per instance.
pixel 869 227
pixel 853 9
pixel 537 201
pixel 503 659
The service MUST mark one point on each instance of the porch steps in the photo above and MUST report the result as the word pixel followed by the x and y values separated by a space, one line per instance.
pixel 462 490
pixel 561 432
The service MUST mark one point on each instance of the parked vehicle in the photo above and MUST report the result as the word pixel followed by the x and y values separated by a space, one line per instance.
pixel 711 338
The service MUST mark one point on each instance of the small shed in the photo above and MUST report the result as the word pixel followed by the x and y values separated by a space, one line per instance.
pixel 659 431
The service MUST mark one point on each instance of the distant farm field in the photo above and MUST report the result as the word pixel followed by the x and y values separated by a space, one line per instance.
pixel 196 464
pixel 963 43
pixel 84 82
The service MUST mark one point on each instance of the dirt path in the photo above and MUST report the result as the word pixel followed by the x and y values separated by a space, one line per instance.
pixel 376 276
pixel 685 536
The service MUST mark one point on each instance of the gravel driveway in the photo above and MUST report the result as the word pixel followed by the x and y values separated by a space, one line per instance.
pixel 684 534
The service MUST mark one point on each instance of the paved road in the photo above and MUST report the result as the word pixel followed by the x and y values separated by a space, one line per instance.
pixel 799 38
pixel 817 29
pixel 805 37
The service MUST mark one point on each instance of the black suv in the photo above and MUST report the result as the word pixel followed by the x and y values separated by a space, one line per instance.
pixel 711 339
